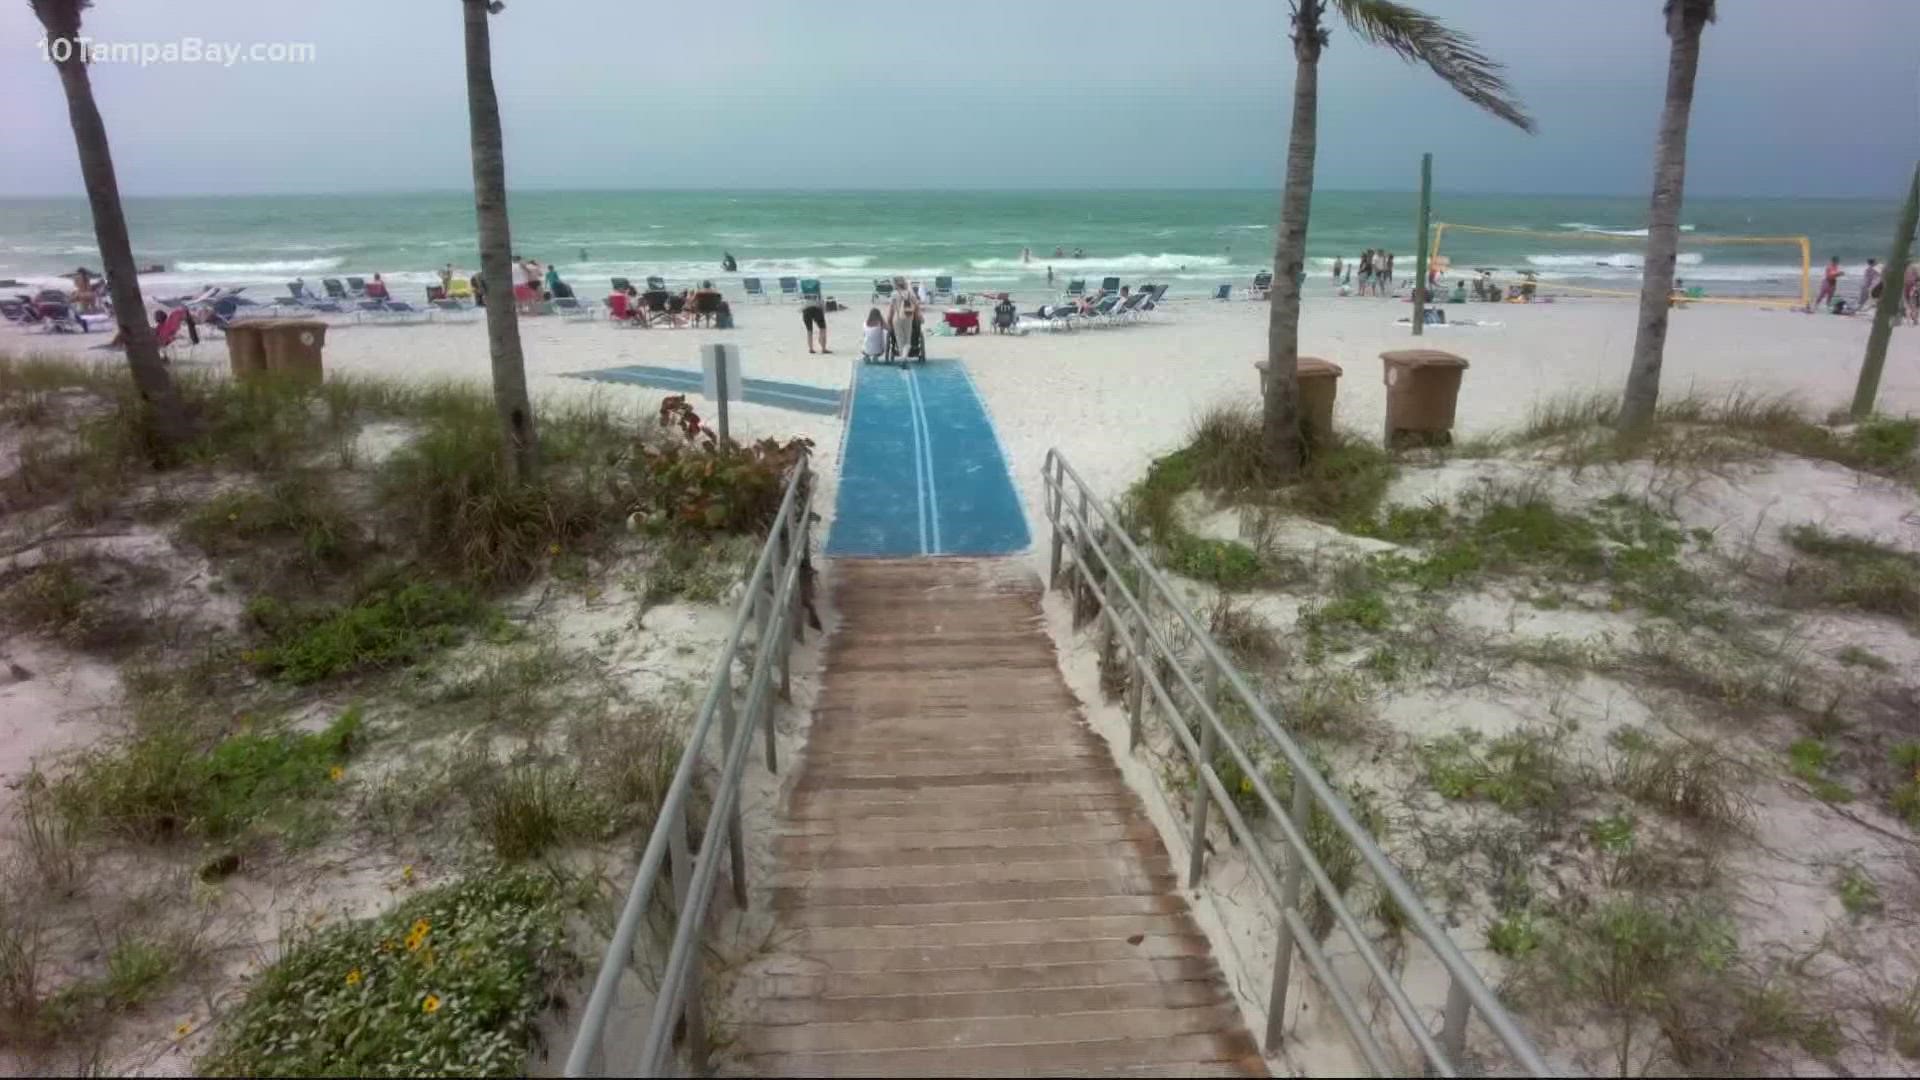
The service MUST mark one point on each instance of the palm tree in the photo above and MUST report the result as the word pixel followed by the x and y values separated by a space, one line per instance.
pixel 1685 20
pixel 522 446
pixel 1416 37
pixel 164 419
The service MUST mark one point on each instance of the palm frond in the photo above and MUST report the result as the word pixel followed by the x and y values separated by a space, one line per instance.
pixel 1420 38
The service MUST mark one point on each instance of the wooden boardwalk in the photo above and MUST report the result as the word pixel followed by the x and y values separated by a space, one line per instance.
pixel 966 885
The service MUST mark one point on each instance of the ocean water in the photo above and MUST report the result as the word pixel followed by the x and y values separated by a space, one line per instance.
pixel 1191 239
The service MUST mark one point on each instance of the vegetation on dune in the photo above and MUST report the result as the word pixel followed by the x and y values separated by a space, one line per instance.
pixel 450 982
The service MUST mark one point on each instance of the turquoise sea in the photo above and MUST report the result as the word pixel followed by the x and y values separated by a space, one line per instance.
pixel 1192 239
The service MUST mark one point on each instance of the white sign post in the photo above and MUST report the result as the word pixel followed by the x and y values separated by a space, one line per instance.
pixel 720 378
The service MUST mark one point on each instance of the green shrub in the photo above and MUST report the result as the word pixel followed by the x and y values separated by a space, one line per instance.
pixel 694 482
pixel 452 982
pixel 1858 893
pixel 165 783
pixel 1906 795
pixel 1808 759
pixel 1853 571
pixel 1513 935
pixel 295 507
pixel 1227 564
pixel 1516 772
pixel 389 627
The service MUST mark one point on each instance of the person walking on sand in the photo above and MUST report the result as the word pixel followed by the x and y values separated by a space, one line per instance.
pixel 1868 279
pixel 815 315
pixel 903 315
pixel 1830 283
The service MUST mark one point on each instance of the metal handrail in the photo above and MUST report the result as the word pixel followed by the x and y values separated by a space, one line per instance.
pixel 1125 614
pixel 770 601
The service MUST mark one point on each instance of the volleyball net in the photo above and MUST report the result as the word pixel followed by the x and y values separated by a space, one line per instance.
pixel 1786 277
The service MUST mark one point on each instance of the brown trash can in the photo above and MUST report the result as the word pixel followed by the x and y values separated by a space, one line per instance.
pixel 1422 387
pixel 293 348
pixel 1319 384
pixel 247 348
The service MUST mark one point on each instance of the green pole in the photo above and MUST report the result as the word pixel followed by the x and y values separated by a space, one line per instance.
pixel 1892 293
pixel 1420 251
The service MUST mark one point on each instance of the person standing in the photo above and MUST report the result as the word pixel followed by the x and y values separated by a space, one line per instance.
pixel 1830 283
pixel 1868 279
pixel 1336 269
pixel 1049 276
pixel 1366 271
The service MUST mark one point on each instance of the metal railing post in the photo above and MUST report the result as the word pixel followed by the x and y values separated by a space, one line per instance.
pixel 736 847
pixel 1453 1033
pixel 765 644
pixel 1055 493
pixel 1203 798
pixel 1137 692
pixel 1302 813
pixel 680 870
pixel 788 623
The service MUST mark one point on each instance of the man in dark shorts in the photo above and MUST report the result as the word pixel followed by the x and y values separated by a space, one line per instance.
pixel 815 314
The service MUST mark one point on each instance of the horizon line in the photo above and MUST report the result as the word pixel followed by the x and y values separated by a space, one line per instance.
pixel 718 190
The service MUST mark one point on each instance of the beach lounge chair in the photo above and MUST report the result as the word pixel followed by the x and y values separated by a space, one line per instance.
pixel 570 307
pixel 1126 309
pixel 1110 285
pixel 789 288
pixel 1261 287
pixel 59 317
pixel 1224 292
pixel 19 310
pixel 335 290
pixel 882 290
pixel 357 286
pixel 658 305
pixel 942 287
pixel 624 314
pixel 620 284
pixel 167 334
pixel 656 282
pixel 1077 287
pixel 753 288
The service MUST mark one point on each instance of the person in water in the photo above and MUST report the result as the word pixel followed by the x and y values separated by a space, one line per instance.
pixel 727 263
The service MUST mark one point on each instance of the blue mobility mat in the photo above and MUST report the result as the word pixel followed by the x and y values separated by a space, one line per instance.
pixel 922 472
pixel 780 395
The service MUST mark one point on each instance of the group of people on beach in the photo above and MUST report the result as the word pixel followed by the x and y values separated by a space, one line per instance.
pixel 1872 290
pixel 1374 268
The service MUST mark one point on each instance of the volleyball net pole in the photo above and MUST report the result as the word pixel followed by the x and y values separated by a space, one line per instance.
pixel 1801 243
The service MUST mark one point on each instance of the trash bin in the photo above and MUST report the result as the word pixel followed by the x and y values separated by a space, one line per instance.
pixel 293 348
pixel 1422 387
pixel 247 348
pixel 1319 383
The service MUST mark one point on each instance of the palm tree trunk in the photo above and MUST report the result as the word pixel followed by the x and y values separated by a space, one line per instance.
pixel 522 448
pixel 165 421
pixel 1280 421
pixel 1685 20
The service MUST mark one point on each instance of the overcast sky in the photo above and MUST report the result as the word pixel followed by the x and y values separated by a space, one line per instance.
pixel 1794 98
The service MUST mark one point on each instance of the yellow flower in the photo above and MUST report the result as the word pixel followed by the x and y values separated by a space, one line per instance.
pixel 430 1004
pixel 553 549
pixel 1246 784
pixel 353 977
pixel 183 1029
pixel 414 941
pixel 337 773
pixel 406 872
pixel 421 926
